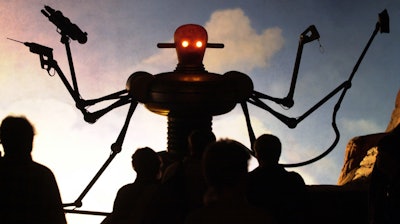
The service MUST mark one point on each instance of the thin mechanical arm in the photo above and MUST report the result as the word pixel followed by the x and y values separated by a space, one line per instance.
pixel 53 64
pixel 383 26
pixel 290 122
pixel 112 96
pixel 82 212
pixel 91 117
pixel 65 41
pixel 115 148
pixel 70 31
pixel 47 62
pixel 314 35
pixel 310 34
pixel 81 104
pixel 249 127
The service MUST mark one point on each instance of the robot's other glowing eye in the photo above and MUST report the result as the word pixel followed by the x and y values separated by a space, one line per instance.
pixel 185 43
pixel 199 44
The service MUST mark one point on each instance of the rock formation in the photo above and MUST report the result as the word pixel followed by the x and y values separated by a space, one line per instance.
pixel 347 202
pixel 395 119
pixel 361 153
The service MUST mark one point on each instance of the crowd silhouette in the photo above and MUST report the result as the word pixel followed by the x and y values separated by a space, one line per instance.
pixel 212 184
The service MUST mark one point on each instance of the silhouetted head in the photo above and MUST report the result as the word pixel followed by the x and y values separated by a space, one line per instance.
pixel 267 149
pixel 198 141
pixel 190 43
pixel 16 135
pixel 225 163
pixel 146 163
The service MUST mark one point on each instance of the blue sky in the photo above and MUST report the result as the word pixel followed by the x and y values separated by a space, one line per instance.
pixel 261 39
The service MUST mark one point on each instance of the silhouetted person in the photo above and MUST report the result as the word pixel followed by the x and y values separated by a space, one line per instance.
pixel 133 203
pixel 185 177
pixel 384 195
pixel 28 190
pixel 168 158
pixel 272 187
pixel 225 165
pixel 183 185
pixel 195 185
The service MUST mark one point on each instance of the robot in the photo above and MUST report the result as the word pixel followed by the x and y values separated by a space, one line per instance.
pixel 188 96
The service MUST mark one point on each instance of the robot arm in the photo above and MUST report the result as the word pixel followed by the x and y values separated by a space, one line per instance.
pixel 309 35
pixel 382 25
pixel 69 30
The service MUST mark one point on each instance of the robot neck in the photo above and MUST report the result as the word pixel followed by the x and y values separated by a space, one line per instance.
pixel 190 68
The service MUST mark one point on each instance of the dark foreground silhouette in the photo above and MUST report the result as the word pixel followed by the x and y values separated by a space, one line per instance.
pixel 28 190
pixel 133 203
pixel 210 187
pixel 270 186
pixel 384 194
pixel 225 164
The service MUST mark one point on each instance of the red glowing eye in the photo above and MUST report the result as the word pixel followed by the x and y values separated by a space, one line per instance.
pixel 185 43
pixel 199 44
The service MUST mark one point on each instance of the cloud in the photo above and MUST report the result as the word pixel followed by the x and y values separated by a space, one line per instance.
pixel 245 49
pixel 361 126
pixel 233 125
pixel 161 62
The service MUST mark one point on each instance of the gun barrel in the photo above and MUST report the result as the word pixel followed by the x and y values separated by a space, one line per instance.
pixel 16 40
pixel 36 48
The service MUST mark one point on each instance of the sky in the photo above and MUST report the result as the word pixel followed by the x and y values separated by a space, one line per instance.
pixel 261 40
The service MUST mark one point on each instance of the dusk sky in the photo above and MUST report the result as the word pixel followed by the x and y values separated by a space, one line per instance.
pixel 261 40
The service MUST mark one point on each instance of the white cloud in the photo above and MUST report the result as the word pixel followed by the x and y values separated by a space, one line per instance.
pixel 233 125
pixel 245 49
pixel 361 126
pixel 166 60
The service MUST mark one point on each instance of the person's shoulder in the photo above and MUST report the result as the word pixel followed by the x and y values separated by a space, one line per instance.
pixel 254 174
pixel 127 187
pixel 41 170
pixel 258 171
pixel 296 178
pixel 294 174
pixel 40 167
pixel 264 174
pixel 173 171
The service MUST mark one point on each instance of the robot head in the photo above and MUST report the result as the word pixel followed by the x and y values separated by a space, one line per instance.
pixel 190 42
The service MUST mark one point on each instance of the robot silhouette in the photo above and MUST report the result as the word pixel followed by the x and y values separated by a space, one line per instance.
pixel 190 95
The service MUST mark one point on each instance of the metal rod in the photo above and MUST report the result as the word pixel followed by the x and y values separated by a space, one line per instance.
pixel 249 127
pixel 83 212
pixel 65 41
